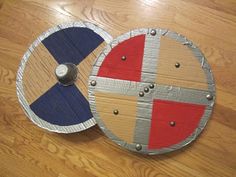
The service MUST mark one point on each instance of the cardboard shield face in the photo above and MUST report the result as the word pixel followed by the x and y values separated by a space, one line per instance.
pixel 151 91
pixel 53 75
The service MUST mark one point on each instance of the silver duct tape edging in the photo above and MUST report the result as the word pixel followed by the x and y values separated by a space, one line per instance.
pixel 132 88
pixel 164 92
pixel 150 56
pixel 198 54
pixel 19 85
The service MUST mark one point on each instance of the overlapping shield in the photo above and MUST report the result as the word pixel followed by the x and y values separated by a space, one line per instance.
pixel 151 91
pixel 48 103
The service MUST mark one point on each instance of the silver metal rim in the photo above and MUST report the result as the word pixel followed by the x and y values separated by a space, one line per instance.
pixel 19 86
pixel 146 83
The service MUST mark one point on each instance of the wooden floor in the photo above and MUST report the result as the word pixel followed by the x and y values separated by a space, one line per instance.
pixel 28 151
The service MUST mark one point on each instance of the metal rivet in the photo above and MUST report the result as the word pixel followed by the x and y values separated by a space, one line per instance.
pixel 151 86
pixel 172 123
pixel 209 96
pixel 153 32
pixel 93 82
pixel 138 147
pixel 146 89
pixel 116 111
pixel 141 94
pixel 123 58
pixel 177 64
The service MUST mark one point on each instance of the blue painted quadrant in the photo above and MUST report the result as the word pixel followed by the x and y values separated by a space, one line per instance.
pixel 72 45
pixel 62 106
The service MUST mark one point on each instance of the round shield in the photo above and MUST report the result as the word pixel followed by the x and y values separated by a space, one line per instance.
pixel 53 75
pixel 151 91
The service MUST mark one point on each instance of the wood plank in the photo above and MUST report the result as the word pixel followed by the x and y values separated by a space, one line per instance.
pixel 189 74
pixel 39 74
pixel 85 68
pixel 122 124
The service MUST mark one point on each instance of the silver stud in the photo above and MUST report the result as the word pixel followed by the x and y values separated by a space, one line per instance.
pixel 209 96
pixel 172 123
pixel 151 86
pixel 153 32
pixel 141 93
pixel 177 64
pixel 93 82
pixel 138 147
pixel 146 89
pixel 123 58
pixel 116 112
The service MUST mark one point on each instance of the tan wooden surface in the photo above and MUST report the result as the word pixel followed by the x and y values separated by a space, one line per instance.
pixel 123 124
pixel 190 73
pixel 39 73
pixel 85 68
pixel 28 151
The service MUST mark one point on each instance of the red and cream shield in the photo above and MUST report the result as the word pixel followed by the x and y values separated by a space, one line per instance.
pixel 151 91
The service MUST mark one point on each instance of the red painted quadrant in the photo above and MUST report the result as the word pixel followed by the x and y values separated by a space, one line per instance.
pixel 185 115
pixel 130 69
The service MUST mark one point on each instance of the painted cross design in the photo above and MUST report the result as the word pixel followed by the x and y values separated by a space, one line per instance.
pixel 159 85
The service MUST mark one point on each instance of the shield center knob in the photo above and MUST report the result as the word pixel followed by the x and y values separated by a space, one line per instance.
pixel 66 73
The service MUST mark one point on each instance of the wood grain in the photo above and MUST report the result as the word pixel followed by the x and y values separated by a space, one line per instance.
pixel 85 68
pixel 39 74
pixel 123 124
pixel 26 150
pixel 189 74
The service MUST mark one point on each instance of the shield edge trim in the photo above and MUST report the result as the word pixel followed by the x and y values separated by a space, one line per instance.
pixel 19 78
pixel 205 66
